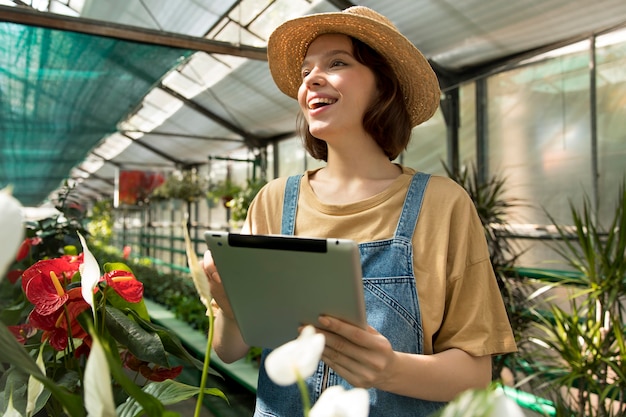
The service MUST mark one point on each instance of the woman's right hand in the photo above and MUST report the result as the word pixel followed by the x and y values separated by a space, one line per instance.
pixel 215 282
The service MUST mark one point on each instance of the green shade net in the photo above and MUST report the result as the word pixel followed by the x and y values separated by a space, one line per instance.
pixel 60 94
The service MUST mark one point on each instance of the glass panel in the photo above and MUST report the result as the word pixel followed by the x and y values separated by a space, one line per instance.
pixel 290 157
pixel 467 130
pixel 611 108
pixel 539 135
pixel 428 147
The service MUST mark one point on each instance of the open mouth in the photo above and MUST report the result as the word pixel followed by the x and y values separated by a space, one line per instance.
pixel 316 103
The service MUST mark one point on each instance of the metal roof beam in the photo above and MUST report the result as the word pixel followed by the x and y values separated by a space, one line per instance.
pixel 183 135
pixel 129 33
pixel 249 139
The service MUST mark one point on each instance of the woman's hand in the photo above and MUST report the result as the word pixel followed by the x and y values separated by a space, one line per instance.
pixel 215 282
pixel 363 357
pixel 366 359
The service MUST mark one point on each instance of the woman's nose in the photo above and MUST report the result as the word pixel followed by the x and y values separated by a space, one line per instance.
pixel 315 78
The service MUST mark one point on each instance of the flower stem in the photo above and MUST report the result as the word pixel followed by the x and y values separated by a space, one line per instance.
pixel 205 368
pixel 304 392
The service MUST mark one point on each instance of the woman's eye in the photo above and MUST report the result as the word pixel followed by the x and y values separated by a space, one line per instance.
pixel 305 73
pixel 337 63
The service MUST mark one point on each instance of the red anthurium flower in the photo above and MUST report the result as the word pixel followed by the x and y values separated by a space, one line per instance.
pixel 24 249
pixel 159 373
pixel 55 325
pixel 84 348
pixel 154 373
pixel 44 282
pixel 22 332
pixel 126 285
pixel 14 275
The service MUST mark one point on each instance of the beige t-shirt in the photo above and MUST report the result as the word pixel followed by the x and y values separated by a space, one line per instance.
pixel 460 303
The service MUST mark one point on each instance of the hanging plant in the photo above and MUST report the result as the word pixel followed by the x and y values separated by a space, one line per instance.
pixel 241 202
pixel 223 191
pixel 182 185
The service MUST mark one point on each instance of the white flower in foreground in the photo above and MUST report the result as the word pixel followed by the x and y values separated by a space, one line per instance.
pixel 482 403
pixel 35 387
pixel 11 411
pixel 89 274
pixel 98 392
pixel 11 225
pixel 505 406
pixel 296 359
pixel 200 280
pixel 338 402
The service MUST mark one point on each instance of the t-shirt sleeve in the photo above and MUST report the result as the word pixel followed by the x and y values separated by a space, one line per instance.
pixel 475 319
pixel 265 211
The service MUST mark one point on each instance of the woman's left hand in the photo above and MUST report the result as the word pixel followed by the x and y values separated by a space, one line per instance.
pixel 363 357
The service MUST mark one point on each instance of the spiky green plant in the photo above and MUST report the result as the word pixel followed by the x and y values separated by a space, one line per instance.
pixel 584 364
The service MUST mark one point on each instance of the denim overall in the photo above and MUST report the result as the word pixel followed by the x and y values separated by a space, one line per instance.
pixel 392 309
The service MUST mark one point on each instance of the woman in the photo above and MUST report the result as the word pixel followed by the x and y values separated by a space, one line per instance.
pixel 434 309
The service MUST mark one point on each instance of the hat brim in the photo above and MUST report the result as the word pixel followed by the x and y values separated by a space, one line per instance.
pixel 288 45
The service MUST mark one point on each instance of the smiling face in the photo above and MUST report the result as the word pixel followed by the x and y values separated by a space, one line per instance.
pixel 336 89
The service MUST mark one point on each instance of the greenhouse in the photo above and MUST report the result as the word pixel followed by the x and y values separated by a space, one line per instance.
pixel 130 129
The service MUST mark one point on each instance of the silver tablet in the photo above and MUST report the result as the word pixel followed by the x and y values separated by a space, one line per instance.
pixel 277 283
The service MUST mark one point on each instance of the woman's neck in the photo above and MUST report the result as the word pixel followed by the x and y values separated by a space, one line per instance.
pixel 355 176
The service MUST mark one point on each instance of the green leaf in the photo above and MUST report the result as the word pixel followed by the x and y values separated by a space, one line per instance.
pixel 116 266
pixel 116 300
pixel 13 353
pixel 171 342
pixel 168 392
pixel 152 406
pixel 144 345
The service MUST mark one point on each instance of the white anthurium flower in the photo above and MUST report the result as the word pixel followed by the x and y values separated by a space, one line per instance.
pixel 11 226
pixel 296 359
pixel 98 392
pixel 35 387
pixel 505 406
pixel 11 411
pixel 89 274
pixel 335 401
pixel 200 280
pixel 482 403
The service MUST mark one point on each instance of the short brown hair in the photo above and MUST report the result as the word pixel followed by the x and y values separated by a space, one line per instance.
pixel 386 120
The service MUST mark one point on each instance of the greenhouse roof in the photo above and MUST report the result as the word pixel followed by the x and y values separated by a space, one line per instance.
pixel 90 87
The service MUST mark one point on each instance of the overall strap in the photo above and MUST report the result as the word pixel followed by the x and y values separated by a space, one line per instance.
pixel 290 205
pixel 412 206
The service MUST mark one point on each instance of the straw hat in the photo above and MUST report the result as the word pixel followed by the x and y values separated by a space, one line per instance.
pixel 288 44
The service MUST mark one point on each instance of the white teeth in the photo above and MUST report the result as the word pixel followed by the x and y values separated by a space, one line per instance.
pixel 320 101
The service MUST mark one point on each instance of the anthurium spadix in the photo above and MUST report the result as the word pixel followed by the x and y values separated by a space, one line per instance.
pixel 89 274
pixel 11 227
pixel 335 401
pixel 295 359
